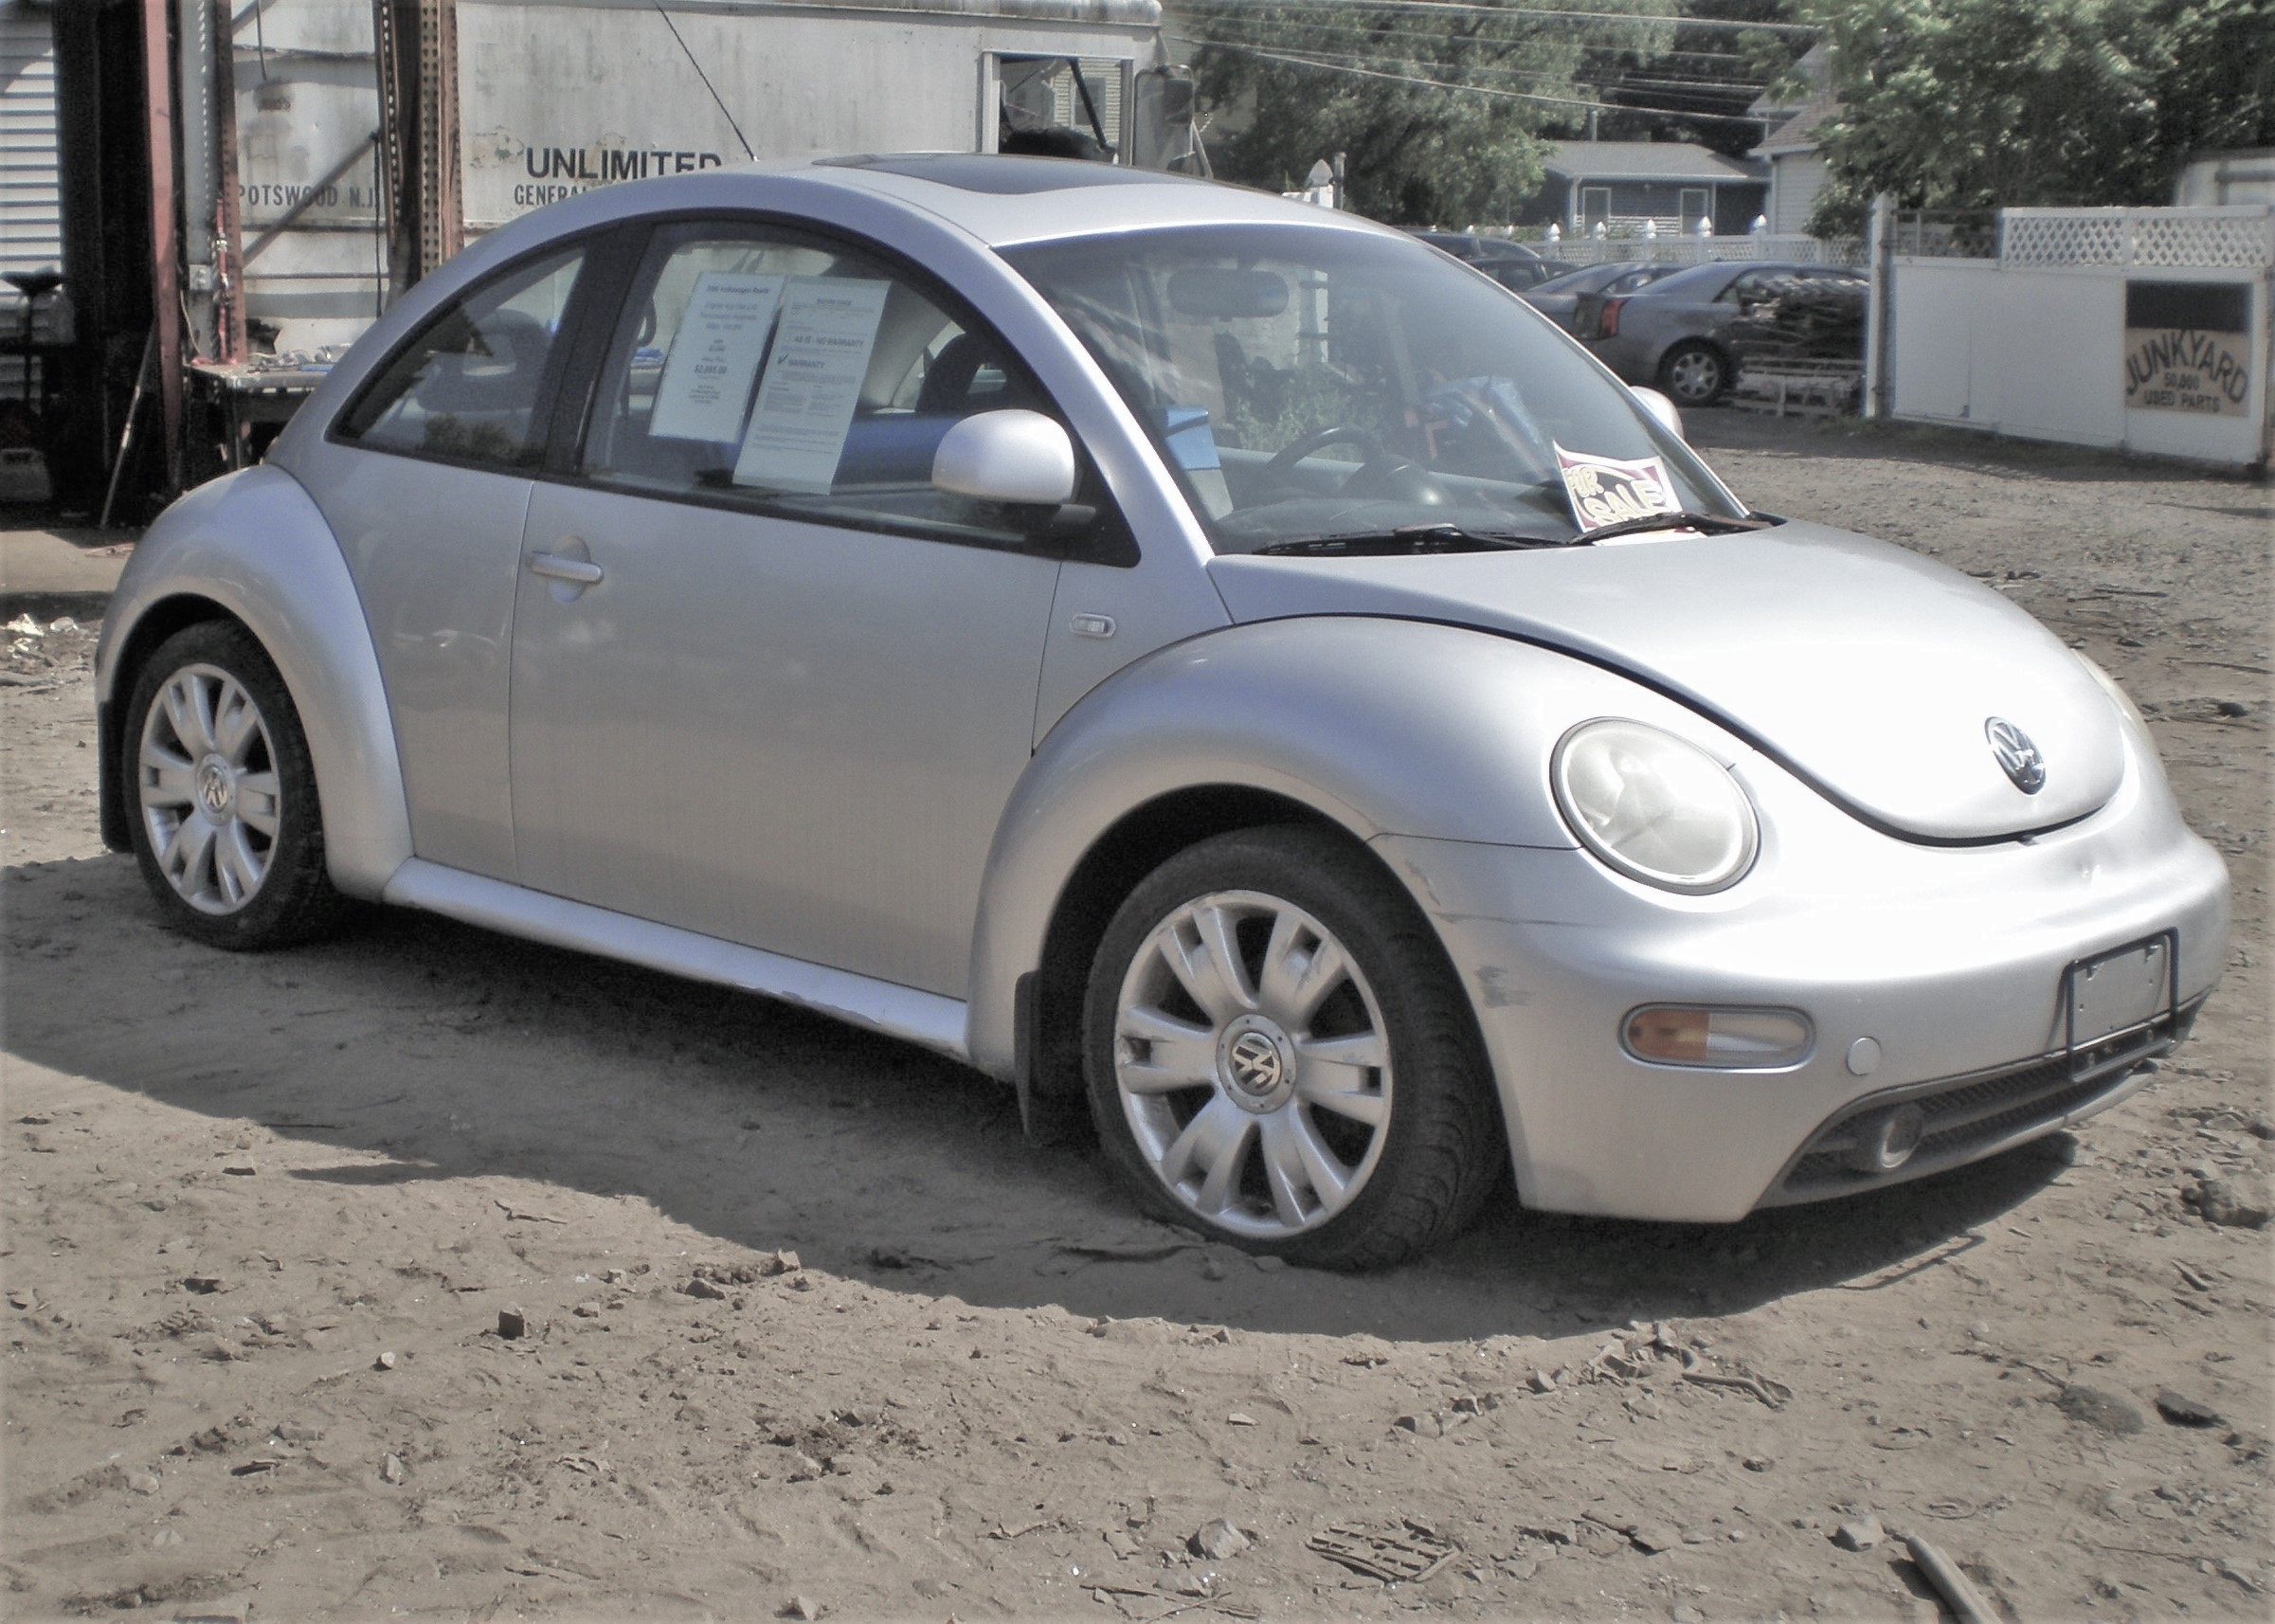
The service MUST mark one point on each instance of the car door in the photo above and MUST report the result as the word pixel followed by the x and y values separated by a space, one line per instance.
pixel 425 480
pixel 768 683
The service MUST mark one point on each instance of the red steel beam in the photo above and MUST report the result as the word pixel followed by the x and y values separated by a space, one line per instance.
pixel 164 280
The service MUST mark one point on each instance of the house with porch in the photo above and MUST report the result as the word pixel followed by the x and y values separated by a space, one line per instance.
pixel 1623 184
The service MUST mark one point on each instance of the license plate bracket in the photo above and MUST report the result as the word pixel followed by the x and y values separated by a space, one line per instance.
pixel 2128 992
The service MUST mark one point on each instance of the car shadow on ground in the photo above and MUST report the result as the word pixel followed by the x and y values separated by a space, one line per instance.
pixel 425 1052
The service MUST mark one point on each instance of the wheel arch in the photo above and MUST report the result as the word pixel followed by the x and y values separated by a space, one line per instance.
pixel 1703 341
pixel 253 549
pixel 1368 726
pixel 153 627
pixel 1049 1060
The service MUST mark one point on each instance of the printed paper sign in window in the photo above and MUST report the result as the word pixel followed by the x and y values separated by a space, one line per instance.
pixel 722 338
pixel 1605 491
pixel 813 381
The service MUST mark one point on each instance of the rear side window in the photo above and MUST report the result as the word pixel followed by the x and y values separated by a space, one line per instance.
pixel 754 365
pixel 468 388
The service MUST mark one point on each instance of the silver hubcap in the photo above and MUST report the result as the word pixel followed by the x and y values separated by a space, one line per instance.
pixel 1252 1064
pixel 1694 376
pixel 211 797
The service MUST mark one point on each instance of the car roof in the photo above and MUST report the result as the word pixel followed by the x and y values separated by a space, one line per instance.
pixel 1467 244
pixel 1004 200
pixel 1580 275
pixel 1721 271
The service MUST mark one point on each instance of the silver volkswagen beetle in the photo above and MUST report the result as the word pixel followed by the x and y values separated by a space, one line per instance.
pixel 1173 649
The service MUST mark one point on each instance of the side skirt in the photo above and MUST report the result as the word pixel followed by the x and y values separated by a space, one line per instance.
pixel 921 1017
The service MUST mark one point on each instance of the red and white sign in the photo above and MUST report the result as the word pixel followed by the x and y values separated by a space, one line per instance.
pixel 1606 490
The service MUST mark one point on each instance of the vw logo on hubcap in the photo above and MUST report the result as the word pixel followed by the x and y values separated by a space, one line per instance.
pixel 1256 1064
pixel 214 789
pixel 2017 757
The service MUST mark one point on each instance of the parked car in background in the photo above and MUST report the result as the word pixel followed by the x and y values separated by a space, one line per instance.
pixel 1676 335
pixel 1576 299
pixel 1512 264
pixel 1180 651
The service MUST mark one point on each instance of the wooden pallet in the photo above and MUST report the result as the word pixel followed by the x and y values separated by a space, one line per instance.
pixel 1811 389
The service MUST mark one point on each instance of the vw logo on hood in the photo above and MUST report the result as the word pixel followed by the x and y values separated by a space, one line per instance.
pixel 2017 757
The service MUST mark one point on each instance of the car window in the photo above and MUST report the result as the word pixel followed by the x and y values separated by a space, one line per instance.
pixel 797 376
pixel 1751 288
pixel 1305 383
pixel 467 389
pixel 1582 280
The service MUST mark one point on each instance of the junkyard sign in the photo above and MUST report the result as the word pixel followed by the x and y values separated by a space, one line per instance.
pixel 2187 346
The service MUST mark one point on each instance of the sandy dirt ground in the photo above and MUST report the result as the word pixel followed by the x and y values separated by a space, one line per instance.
pixel 808 1330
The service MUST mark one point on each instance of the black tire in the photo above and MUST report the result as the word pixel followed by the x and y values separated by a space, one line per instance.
pixel 1438 1150
pixel 1695 373
pixel 253 887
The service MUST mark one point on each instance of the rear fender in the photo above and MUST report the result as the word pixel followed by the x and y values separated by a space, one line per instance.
pixel 252 546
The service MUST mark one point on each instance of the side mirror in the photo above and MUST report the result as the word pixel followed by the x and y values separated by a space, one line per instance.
pixel 1021 457
pixel 1662 408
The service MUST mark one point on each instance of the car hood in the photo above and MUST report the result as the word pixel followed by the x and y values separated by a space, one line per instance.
pixel 1872 673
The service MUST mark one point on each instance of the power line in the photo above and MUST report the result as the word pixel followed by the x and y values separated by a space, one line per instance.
pixel 1701 86
pixel 1528 13
pixel 1388 29
pixel 1485 90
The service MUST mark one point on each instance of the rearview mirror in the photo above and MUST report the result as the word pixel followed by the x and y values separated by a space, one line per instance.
pixel 1219 293
pixel 1661 407
pixel 1011 456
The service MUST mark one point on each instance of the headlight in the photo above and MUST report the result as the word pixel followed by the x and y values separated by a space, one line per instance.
pixel 1655 807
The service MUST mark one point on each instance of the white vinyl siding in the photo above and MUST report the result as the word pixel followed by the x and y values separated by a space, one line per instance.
pixel 1796 178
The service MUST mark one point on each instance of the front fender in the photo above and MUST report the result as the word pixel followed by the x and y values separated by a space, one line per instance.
pixel 1383 727
pixel 254 543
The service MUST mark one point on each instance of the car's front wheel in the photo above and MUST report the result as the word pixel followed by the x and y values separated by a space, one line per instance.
pixel 1278 1055
pixel 226 823
pixel 1694 374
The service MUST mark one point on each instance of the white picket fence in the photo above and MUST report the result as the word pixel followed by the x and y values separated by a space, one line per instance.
pixel 1668 249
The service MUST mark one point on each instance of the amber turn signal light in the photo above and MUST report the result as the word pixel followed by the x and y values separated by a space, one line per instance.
pixel 1690 1034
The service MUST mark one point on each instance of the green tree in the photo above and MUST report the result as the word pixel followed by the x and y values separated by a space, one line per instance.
pixel 1996 103
pixel 1371 84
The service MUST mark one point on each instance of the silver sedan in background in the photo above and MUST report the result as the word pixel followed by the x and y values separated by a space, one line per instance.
pixel 1202 659
pixel 1575 299
pixel 1674 334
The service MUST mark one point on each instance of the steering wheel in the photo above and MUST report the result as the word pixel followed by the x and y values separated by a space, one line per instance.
pixel 1284 460
pixel 1381 474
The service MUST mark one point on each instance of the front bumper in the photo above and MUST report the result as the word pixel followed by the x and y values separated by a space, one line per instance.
pixel 1951 960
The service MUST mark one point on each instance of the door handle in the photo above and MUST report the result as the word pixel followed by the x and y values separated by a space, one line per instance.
pixel 554 566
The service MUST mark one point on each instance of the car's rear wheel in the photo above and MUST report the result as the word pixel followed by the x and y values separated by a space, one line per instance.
pixel 1694 374
pixel 1279 1056
pixel 226 823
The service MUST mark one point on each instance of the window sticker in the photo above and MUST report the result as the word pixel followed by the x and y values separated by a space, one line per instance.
pixel 813 382
pixel 714 357
pixel 1604 490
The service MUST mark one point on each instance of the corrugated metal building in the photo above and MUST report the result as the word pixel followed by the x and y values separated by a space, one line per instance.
pixel 31 215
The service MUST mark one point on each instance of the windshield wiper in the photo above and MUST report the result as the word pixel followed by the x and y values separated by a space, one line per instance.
pixel 1713 524
pixel 1410 539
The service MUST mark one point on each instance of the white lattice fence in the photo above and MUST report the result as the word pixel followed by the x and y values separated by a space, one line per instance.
pixel 2239 239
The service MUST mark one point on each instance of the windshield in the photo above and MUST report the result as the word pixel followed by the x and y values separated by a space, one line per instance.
pixel 1305 382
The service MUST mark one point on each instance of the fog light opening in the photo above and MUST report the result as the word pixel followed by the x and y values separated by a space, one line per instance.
pixel 1688 1034
pixel 1886 1142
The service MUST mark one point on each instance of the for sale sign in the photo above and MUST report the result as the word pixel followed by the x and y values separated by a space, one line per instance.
pixel 1610 490
pixel 2188 347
